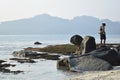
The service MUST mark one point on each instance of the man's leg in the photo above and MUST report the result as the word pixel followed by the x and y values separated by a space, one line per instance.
pixel 104 42
pixel 101 42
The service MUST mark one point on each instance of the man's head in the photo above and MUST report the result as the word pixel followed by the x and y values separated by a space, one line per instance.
pixel 103 24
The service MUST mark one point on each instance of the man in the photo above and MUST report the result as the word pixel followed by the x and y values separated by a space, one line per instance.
pixel 102 34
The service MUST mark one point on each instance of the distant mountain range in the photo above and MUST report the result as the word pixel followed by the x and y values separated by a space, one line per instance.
pixel 46 24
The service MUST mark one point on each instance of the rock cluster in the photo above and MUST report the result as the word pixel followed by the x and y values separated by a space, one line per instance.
pixel 99 59
pixel 103 58
pixel 84 45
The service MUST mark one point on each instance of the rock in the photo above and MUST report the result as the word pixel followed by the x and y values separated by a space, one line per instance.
pixel 24 53
pixel 107 54
pixel 51 57
pixel 118 48
pixel 76 40
pixel 89 63
pixel 63 64
pixel 2 61
pixel 3 70
pixel 84 63
pixel 35 55
pixel 6 65
pixel 37 43
pixel 88 44
pixel 23 60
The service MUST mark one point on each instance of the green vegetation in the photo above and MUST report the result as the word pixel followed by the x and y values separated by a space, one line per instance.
pixel 63 49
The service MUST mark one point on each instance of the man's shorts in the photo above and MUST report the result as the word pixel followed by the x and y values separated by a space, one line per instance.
pixel 102 36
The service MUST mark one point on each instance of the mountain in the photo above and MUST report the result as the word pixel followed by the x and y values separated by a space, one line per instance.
pixel 46 24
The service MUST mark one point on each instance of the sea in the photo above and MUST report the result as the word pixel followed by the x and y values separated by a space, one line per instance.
pixel 43 69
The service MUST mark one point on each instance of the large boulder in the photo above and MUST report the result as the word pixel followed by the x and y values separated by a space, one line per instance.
pixel 107 54
pixel 102 58
pixel 84 63
pixel 88 44
pixel 89 63
pixel 76 40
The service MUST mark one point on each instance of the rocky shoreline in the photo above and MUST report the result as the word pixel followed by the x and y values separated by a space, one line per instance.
pixel 86 56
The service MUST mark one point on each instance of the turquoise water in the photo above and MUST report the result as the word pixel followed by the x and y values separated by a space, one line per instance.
pixel 43 69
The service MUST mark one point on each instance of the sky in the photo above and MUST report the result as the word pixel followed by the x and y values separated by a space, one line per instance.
pixel 67 9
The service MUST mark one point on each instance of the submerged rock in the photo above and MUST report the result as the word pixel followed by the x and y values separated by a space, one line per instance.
pixel 2 61
pixel 3 70
pixel 23 60
pixel 24 53
pixel 35 55
pixel 3 67
pixel 37 43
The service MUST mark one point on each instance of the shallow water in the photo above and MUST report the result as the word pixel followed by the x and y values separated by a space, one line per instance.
pixel 43 69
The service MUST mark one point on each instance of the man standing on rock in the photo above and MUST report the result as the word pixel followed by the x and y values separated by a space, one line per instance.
pixel 102 34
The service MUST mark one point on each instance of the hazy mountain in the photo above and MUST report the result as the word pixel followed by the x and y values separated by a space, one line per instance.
pixel 46 24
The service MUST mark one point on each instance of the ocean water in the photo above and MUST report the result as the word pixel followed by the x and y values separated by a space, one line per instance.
pixel 43 69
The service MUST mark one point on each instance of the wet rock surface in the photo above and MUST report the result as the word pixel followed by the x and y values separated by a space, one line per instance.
pixel 3 70
pixel 23 60
pixel 3 67
pixel 25 56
